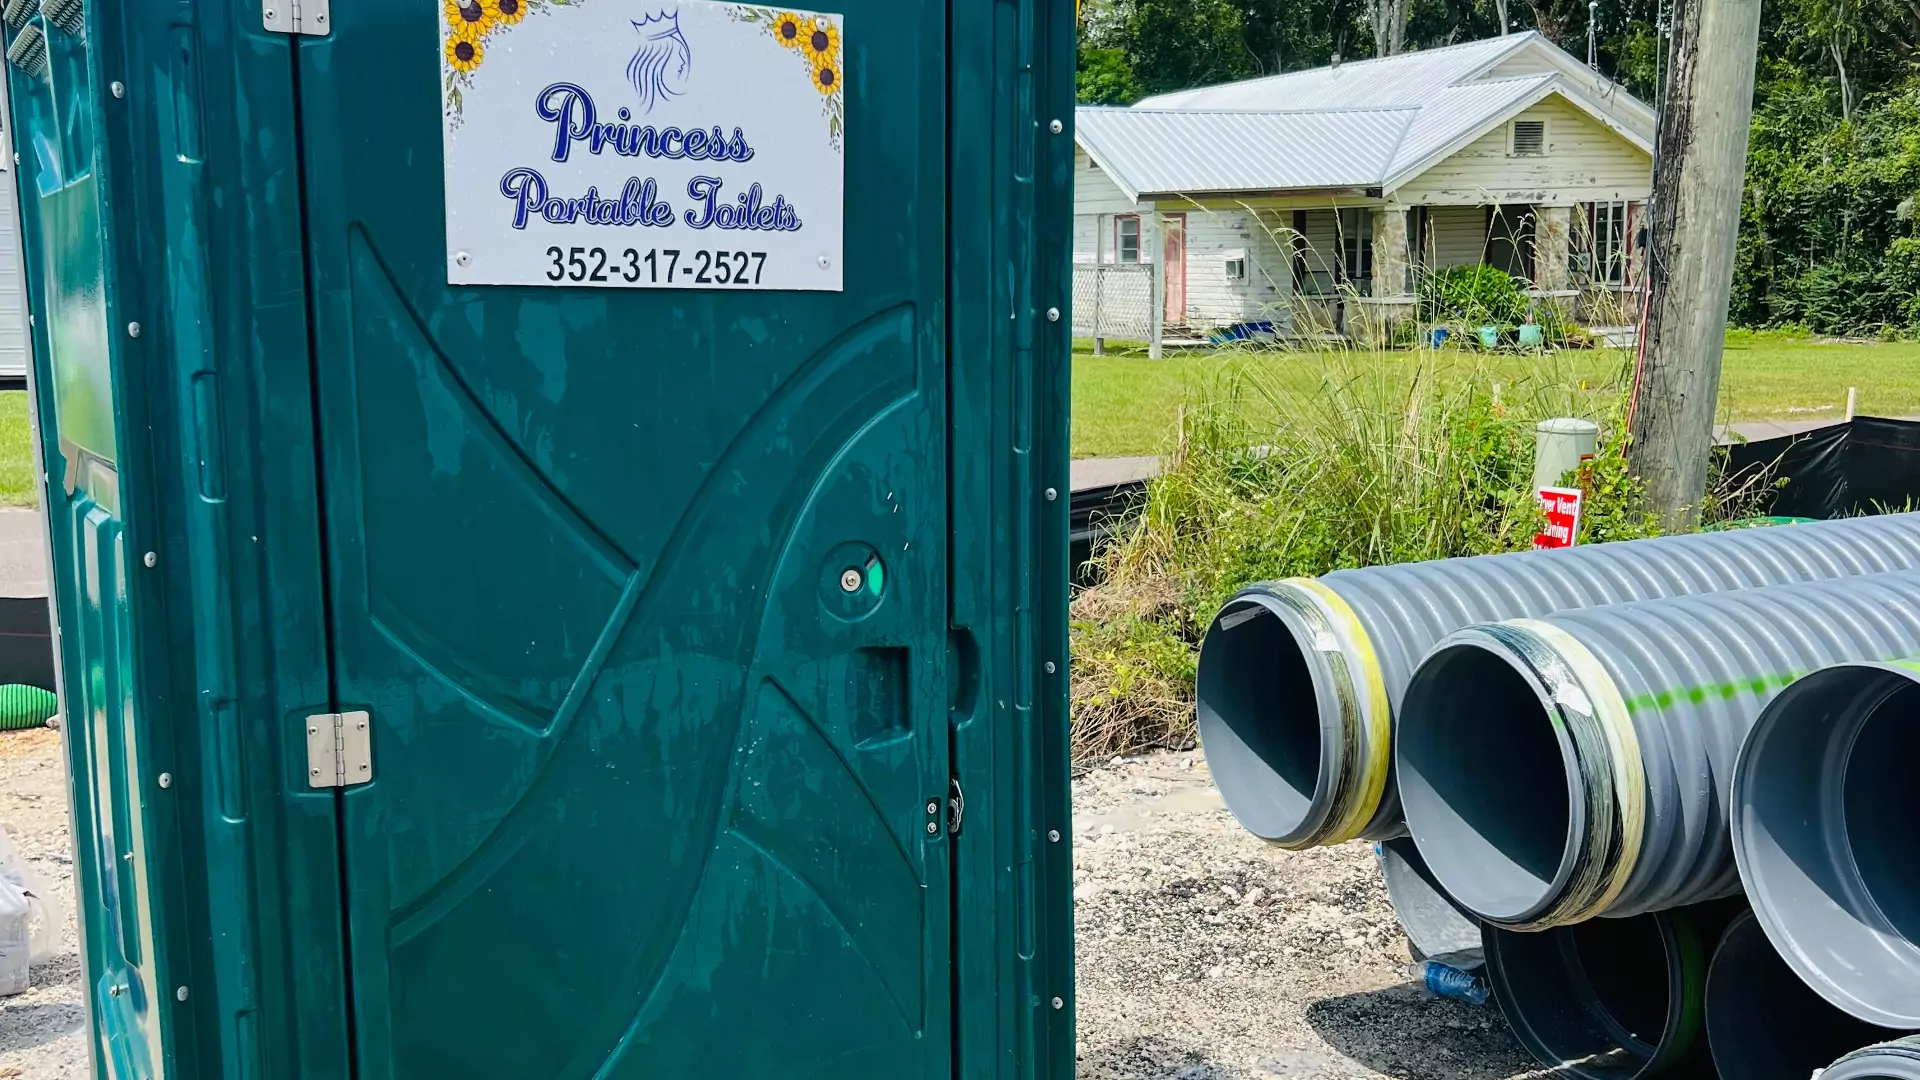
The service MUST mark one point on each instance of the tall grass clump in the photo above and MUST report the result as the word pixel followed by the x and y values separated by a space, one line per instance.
pixel 1419 456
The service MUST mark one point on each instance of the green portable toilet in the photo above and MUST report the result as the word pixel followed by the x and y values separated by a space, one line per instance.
pixel 557 531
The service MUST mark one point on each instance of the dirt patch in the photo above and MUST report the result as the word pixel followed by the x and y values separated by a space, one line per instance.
pixel 1204 954
pixel 43 1031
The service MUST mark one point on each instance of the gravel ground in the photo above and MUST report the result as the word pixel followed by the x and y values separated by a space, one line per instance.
pixel 43 1031
pixel 1203 953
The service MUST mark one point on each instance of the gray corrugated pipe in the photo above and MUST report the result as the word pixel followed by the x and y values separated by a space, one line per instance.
pixel 1579 765
pixel 1612 999
pixel 1762 1021
pixel 1896 1060
pixel 1436 927
pixel 1299 679
pixel 1826 831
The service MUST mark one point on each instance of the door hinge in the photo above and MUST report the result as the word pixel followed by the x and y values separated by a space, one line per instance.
pixel 309 17
pixel 956 805
pixel 339 749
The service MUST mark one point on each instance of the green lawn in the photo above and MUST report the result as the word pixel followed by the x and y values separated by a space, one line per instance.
pixel 16 452
pixel 1125 404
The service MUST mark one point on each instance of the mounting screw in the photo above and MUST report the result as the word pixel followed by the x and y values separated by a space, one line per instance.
pixel 462 258
pixel 1050 668
pixel 1053 314
pixel 117 88
pixel 1053 836
pixel 851 580
pixel 313 772
pixel 824 262
pixel 1056 127
pixel 166 780
pixel 133 329
pixel 272 14
pixel 321 17
pixel 180 994
pixel 116 990
pixel 150 559
pixel 933 807
pixel 933 828
pixel 1059 1004
pixel 1052 494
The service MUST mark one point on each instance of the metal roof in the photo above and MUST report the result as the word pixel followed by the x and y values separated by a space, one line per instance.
pixel 1407 79
pixel 1371 123
pixel 1161 151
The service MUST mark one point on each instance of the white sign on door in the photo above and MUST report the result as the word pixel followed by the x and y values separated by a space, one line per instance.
pixel 643 145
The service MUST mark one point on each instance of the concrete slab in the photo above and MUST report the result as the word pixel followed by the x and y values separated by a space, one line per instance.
pixel 1106 472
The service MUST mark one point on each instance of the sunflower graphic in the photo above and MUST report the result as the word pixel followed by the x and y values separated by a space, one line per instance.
pixel 820 42
pixel 470 19
pixel 504 12
pixel 464 53
pixel 826 76
pixel 789 30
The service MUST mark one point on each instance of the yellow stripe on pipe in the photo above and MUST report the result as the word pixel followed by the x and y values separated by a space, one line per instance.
pixel 1377 714
pixel 1606 705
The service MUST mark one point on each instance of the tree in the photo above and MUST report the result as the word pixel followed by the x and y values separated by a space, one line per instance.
pixel 1703 151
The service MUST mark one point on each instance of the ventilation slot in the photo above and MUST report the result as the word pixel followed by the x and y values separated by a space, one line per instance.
pixel 1529 137
pixel 29 51
pixel 68 15
pixel 17 12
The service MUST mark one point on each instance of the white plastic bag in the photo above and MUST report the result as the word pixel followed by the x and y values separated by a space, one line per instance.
pixel 29 920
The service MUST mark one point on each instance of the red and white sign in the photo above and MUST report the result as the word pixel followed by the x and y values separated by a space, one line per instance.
pixel 1562 506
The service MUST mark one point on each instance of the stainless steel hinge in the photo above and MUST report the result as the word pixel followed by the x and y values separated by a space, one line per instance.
pixel 339 749
pixel 310 17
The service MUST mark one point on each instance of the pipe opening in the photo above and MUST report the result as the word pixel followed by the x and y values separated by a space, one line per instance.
pixel 1623 963
pixel 1881 802
pixel 1826 815
pixel 1260 713
pixel 1605 999
pixel 1763 1023
pixel 1485 779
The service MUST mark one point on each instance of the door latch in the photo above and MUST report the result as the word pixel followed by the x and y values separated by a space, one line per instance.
pixel 309 17
pixel 339 749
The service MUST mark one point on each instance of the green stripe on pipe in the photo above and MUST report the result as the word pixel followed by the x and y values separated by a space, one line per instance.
pixel 23 707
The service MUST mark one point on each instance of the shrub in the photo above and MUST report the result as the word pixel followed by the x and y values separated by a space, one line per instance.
pixel 1387 462
pixel 1470 296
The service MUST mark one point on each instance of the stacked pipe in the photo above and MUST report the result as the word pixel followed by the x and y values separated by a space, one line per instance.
pixel 1299 680
pixel 1545 738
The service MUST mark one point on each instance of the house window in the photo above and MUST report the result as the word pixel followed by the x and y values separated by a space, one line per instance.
pixel 1127 241
pixel 1356 244
pixel 1607 225
pixel 1529 138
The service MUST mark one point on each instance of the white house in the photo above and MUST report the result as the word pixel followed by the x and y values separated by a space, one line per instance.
pixel 1310 202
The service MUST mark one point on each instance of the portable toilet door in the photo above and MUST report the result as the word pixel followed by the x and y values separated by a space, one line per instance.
pixel 566 493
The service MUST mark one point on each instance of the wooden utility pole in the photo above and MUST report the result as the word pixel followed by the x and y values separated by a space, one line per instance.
pixel 1697 184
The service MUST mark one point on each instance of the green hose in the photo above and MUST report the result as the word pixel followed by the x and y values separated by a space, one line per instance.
pixel 23 707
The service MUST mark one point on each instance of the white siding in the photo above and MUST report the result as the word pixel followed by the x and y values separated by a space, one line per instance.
pixel 13 292
pixel 1094 192
pixel 1585 161
pixel 1215 300
pixel 1459 235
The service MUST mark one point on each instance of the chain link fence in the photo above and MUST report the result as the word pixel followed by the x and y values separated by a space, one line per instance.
pixel 1113 302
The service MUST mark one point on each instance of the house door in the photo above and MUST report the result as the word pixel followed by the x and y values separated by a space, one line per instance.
pixel 636 535
pixel 1173 263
